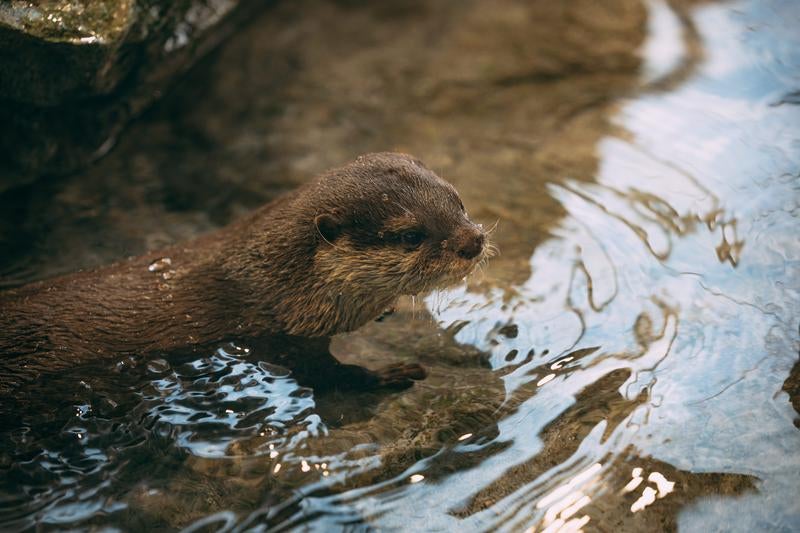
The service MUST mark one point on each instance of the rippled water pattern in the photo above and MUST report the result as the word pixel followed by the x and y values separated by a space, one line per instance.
pixel 630 380
pixel 201 408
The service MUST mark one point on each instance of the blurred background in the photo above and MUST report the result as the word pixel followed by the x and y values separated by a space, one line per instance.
pixel 629 362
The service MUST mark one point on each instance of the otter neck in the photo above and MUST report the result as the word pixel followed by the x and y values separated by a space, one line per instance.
pixel 272 270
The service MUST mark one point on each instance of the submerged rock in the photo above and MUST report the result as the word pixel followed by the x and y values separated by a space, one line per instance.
pixel 73 72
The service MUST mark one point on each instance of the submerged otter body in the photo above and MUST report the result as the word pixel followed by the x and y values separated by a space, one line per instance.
pixel 325 259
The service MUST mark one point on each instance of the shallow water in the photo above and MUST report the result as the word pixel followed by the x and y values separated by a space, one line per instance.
pixel 622 364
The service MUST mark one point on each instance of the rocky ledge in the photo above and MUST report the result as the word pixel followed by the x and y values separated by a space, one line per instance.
pixel 73 72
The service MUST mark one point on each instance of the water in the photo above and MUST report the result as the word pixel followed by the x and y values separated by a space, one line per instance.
pixel 620 366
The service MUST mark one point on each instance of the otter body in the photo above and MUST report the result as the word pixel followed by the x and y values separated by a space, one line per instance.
pixel 325 259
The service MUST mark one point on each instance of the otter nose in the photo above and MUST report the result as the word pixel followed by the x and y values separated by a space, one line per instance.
pixel 471 244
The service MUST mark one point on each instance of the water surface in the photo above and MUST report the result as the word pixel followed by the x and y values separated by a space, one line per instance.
pixel 623 365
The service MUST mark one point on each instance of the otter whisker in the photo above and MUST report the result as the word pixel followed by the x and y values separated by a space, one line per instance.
pixel 401 206
pixel 494 227
pixel 324 239
pixel 491 250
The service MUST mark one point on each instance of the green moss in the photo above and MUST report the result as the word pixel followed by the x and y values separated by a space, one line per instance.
pixel 69 20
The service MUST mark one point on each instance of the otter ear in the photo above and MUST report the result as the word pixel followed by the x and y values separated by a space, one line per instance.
pixel 329 226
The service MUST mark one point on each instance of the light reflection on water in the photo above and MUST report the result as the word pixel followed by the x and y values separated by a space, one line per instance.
pixel 228 398
pixel 630 382
pixel 705 272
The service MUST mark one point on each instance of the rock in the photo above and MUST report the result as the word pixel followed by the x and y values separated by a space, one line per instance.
pixel 74 72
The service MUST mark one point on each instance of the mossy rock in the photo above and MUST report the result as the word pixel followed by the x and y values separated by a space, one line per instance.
pixel 74 72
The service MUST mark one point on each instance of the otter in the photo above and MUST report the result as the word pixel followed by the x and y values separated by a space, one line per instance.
pixel 323 259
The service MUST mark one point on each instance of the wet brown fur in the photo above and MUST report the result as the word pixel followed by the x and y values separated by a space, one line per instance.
pixel 275 272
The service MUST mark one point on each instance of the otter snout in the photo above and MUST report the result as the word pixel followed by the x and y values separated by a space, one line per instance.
pixel 469 242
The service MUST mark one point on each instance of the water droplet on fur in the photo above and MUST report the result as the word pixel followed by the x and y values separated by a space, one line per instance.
pixel 160 264
pixel 385 197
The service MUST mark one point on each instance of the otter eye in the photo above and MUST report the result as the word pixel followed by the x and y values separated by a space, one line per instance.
pixel 412 238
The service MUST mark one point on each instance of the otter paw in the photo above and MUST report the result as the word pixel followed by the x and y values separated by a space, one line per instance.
pixel 400 375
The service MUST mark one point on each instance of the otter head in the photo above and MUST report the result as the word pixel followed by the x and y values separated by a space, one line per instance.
pixel 386 226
